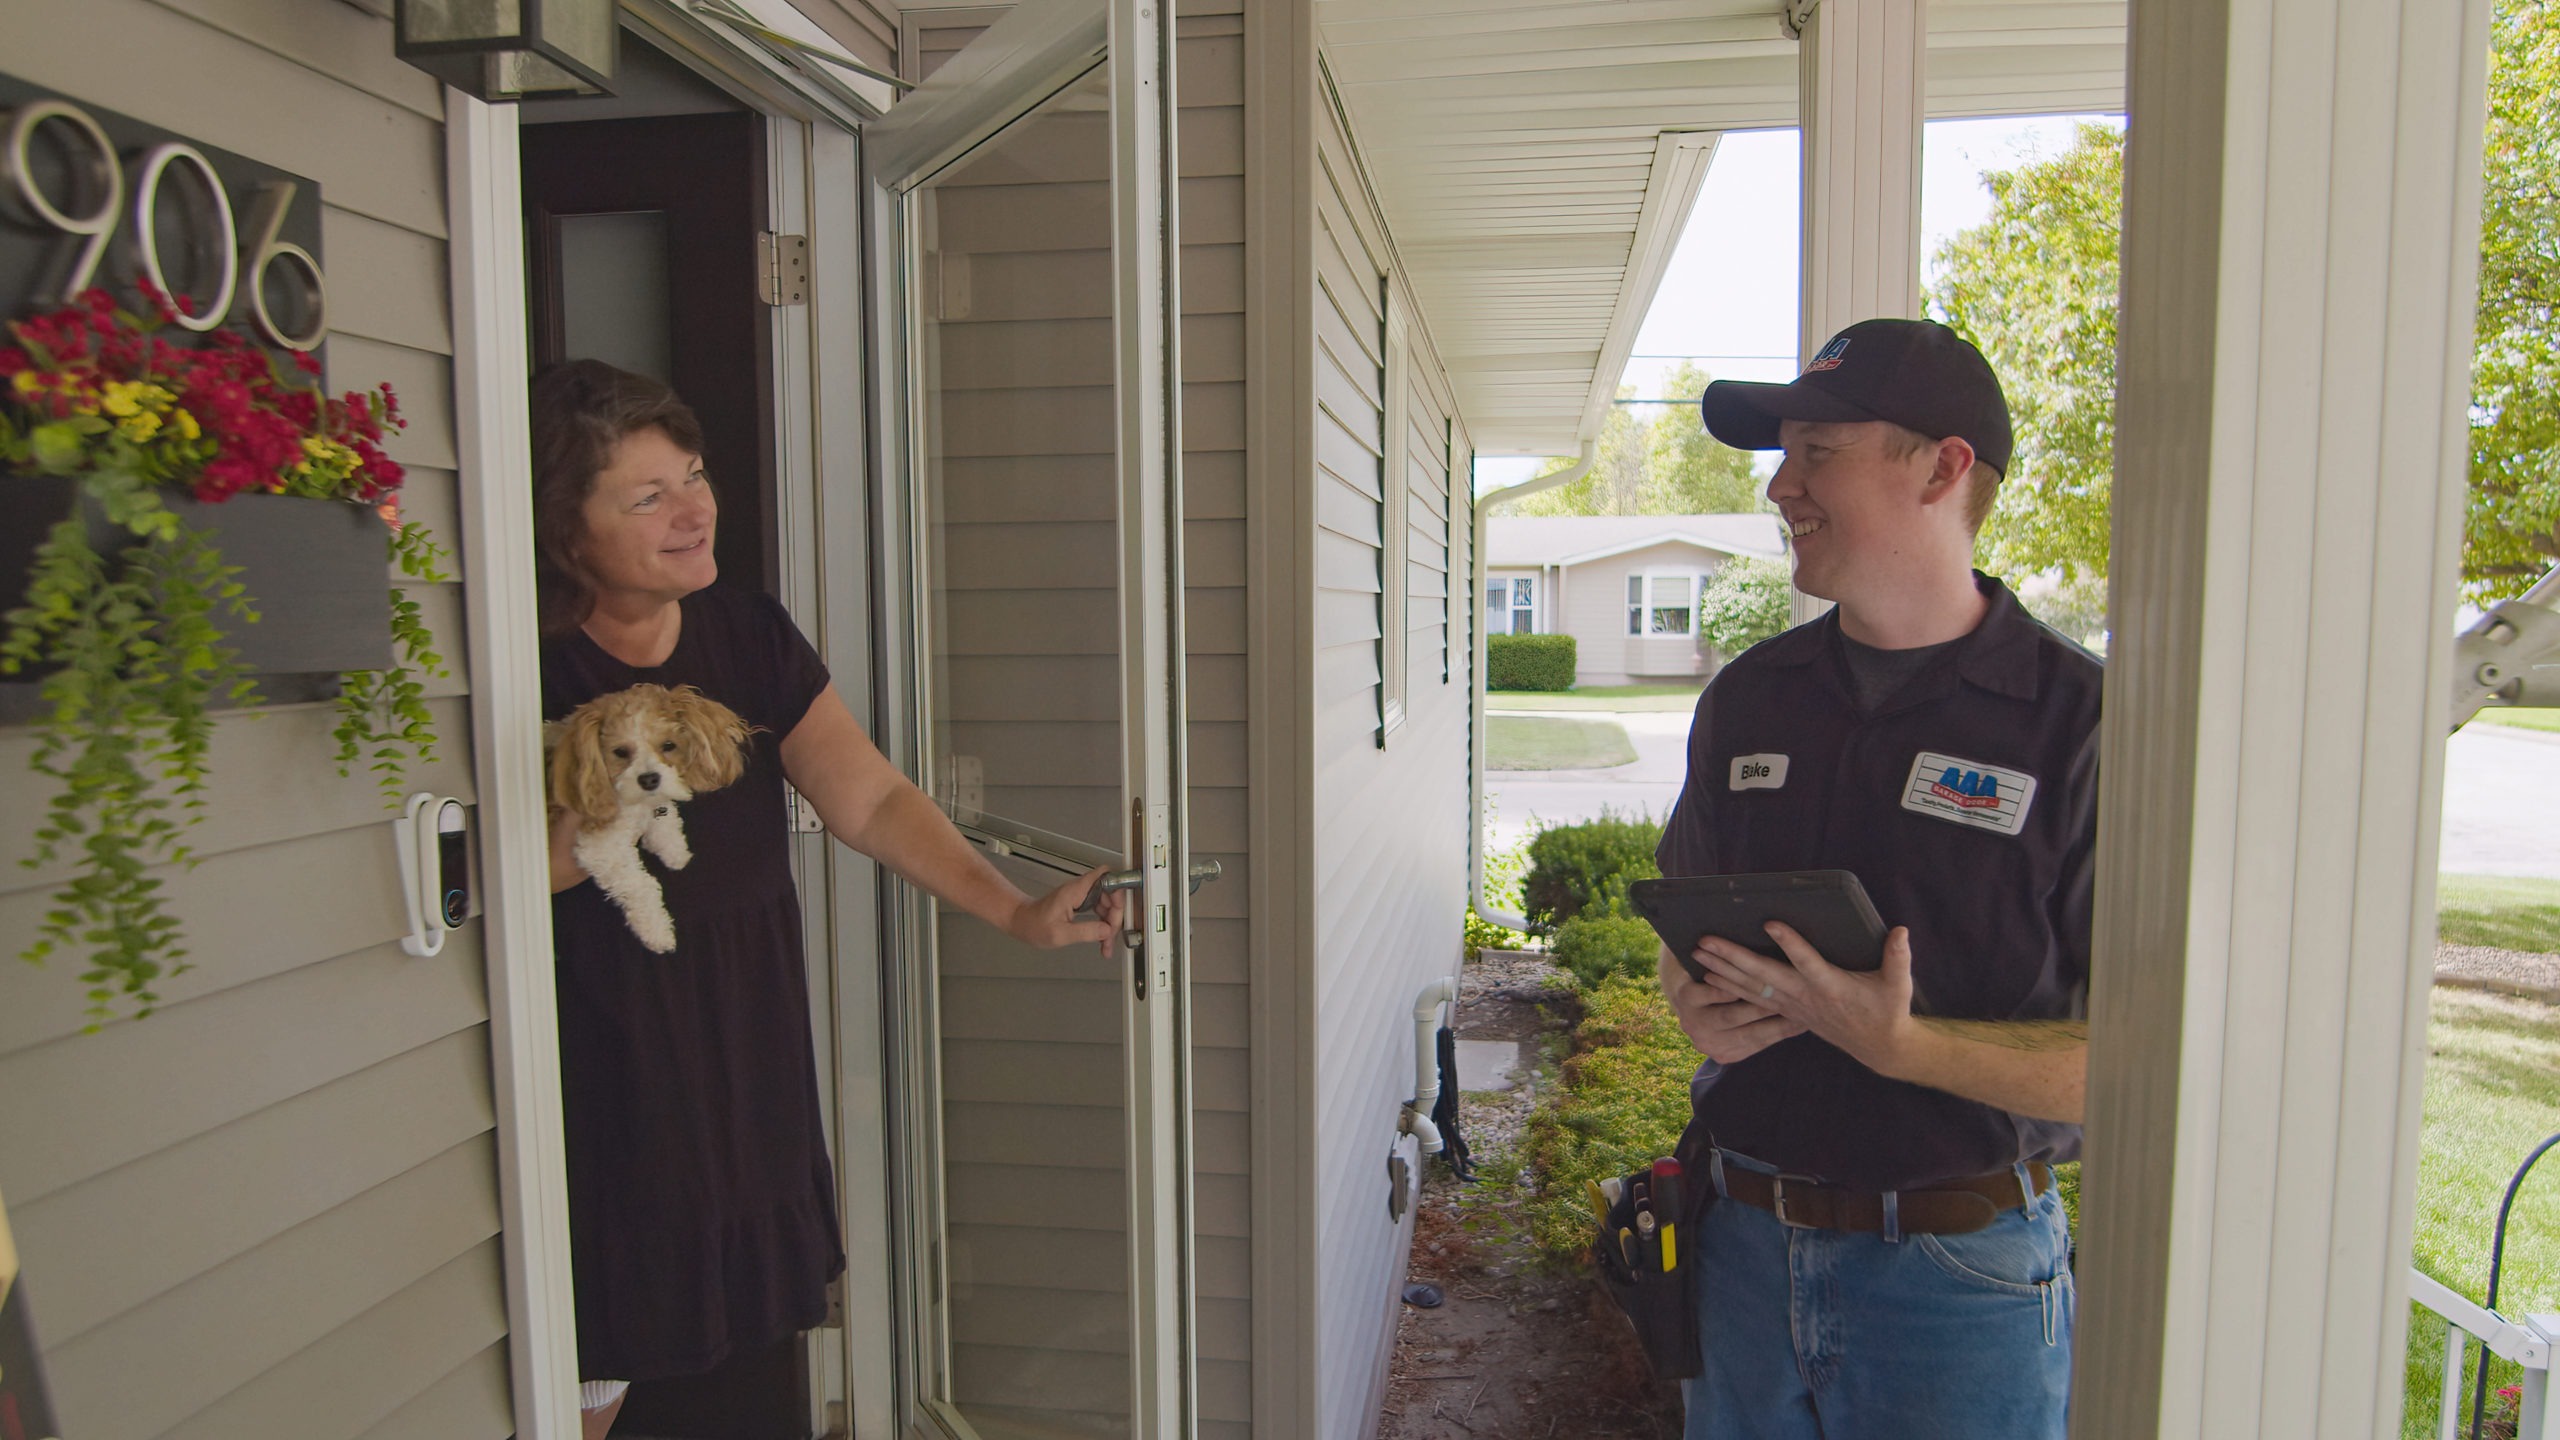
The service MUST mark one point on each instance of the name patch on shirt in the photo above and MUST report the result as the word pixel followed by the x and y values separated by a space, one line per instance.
pixel 1759 772
pixel 1969 792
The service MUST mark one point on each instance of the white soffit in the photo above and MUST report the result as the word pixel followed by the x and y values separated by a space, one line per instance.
pixel 1537 159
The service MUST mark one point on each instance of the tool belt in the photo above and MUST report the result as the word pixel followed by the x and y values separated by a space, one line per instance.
pixel 1949 1207
pixel 1647 1270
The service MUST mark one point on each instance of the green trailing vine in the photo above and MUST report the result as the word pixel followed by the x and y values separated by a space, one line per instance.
pixel 132 638
pixel 382 714
pixel 125 730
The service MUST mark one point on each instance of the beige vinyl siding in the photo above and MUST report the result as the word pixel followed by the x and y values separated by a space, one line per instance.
pixel 271 1208
pixel 1029 506
pixel 1210 82
pixel 866 31
pixel 1390 845
pixel 930 35
pixel 1594 612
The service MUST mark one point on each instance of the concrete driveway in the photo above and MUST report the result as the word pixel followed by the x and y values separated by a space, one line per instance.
pixel 2501 793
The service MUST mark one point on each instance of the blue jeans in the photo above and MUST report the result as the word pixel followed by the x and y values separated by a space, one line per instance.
pixel 1826 1335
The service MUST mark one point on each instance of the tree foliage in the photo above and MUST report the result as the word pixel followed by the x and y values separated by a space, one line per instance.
pixel 2512 530
pixel 2035 287
pixel 1655 460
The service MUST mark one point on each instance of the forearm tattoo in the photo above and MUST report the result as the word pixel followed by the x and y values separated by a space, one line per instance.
pixel 2015 1034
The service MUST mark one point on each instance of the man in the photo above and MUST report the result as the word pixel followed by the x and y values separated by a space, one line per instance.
pixel 1889 1258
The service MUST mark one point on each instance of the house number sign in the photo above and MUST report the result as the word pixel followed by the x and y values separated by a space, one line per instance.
pixel 89 197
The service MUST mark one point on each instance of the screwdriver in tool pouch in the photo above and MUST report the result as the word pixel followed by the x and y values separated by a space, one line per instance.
pixel 1666 1199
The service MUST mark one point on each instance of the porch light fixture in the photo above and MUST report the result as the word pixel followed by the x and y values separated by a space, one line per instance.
pixel 501 50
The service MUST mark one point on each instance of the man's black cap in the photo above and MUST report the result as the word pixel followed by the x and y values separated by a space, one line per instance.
pixel 1918 374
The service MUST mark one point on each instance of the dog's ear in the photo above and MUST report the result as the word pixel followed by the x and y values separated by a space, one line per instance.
pixel 581 773
pixel 711 743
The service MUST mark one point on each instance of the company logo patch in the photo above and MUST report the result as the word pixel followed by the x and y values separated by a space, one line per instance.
pixel 1759 772
pixel 1969 792
pixel 1830 356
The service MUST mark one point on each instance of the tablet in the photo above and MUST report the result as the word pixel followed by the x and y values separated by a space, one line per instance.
pixel 1829 908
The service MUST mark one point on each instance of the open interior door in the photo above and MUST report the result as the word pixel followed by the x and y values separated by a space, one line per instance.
pixel 1044 1114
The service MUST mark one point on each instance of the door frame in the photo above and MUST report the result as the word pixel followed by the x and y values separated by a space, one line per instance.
pixel 1016 65
pixel 822 453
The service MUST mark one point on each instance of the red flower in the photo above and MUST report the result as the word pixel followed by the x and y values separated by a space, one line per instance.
pixel 253 421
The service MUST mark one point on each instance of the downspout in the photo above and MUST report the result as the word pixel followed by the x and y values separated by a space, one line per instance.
pixel 1476 733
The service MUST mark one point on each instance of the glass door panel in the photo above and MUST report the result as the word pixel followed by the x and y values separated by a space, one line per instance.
pixel 1017 425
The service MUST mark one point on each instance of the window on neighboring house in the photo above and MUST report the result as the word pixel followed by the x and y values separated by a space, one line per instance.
pixel 1661 603
pixel 1511 606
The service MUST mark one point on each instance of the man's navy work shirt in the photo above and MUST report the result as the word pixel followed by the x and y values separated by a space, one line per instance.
pixel 1967 804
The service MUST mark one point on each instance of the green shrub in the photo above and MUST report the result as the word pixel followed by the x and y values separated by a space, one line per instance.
pixel 1586 867
pixel 1625 1100
pixel 1595 947
pixel 1483 934
pixel 1746 601
pixel 1528 662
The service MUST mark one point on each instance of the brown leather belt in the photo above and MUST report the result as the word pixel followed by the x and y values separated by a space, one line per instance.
pixel 1949 1207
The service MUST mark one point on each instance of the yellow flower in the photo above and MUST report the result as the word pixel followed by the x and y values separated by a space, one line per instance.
pixel 121 398
pixel 139 428
pixel 185 424
pixel 27 382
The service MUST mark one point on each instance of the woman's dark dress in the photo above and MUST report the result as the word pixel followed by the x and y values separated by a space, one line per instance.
pixel 702 1215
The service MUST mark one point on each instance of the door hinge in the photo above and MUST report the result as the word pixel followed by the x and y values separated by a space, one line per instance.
pixel 805 819
pixel 782 268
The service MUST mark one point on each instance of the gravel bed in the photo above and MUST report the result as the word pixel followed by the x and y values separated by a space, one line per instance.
pixel 1508 995
pixel 2513 971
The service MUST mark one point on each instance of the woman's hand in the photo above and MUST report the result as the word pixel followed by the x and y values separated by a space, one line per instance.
pixel 1051 920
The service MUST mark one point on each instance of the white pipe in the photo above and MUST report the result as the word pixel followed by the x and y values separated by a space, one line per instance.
pixel 1475 753
pixel 1426 1062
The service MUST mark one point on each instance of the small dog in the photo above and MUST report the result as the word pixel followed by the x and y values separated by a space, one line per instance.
pixel 623 762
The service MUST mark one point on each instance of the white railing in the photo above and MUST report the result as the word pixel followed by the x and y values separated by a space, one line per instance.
pixel 2529 1342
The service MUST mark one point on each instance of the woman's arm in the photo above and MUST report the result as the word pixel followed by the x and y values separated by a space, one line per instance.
pixel 868 805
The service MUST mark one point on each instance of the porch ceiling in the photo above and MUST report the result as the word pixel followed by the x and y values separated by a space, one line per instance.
pixel 1537 160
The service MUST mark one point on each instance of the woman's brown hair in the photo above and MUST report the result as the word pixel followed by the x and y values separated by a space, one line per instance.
pixel 581 411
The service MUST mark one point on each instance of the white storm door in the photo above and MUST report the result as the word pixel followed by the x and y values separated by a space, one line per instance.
pixel 1045 1130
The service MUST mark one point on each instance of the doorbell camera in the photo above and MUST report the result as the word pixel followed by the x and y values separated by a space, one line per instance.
pixel 453 865
pixel 434 838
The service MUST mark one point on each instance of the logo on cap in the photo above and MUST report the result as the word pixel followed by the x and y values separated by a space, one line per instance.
pixel 1830 356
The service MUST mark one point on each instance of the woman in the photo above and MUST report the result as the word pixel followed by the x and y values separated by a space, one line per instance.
pixel 702 1204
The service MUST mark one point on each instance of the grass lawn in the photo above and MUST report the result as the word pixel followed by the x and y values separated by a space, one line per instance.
pixel 2509 912
pixel 1539 742
pixel 2520 719
pixel 2493 1093
pixel 1682 698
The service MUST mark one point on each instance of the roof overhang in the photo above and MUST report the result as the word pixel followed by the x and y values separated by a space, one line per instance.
pixel 1538 160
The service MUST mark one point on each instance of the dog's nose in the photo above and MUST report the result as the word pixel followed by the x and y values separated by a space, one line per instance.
pixel 650 780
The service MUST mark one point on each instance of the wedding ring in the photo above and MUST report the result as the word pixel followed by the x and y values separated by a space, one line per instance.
pixel 1768 990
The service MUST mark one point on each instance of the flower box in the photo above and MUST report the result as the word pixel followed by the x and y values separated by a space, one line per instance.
pixel 316 570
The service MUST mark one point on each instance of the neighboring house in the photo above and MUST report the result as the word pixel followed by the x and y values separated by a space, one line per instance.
pixel 1625 587
pixel 319 1194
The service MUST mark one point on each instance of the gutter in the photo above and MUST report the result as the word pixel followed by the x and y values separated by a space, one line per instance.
pixel 1476 722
